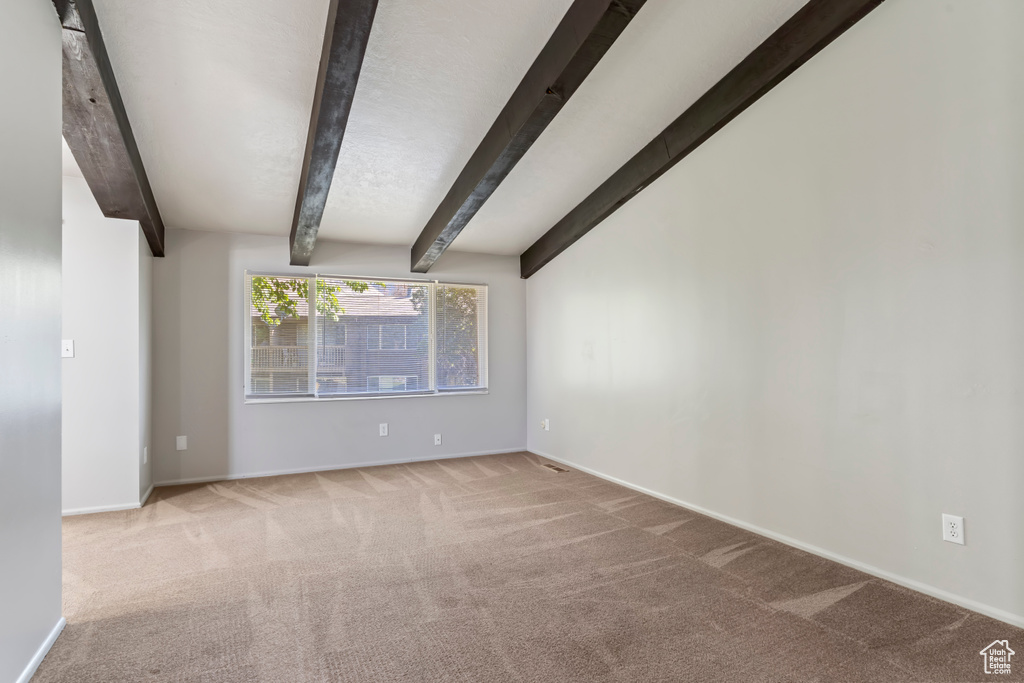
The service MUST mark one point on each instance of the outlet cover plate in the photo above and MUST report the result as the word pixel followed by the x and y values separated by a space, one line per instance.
pixel 953 529
pixel 437 439
pixel 181 443
pixel 383 428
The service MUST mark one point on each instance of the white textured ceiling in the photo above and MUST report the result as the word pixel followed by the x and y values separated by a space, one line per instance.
pixel 219 95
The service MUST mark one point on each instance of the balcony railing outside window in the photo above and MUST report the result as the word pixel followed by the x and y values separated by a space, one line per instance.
pixel 296 358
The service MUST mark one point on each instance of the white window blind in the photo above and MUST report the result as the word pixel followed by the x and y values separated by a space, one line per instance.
pixel 366 337
pixel 461 332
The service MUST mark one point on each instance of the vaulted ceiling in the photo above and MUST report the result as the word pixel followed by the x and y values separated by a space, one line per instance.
pixel 219 97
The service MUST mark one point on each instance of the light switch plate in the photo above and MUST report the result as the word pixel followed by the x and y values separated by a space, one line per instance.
pixel 181 443
pixel 67 348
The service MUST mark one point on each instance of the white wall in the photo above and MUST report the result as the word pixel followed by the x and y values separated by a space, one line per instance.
pixel 30 122
pixel 815 323
pixel 198 316
pixel 145 411
pixel 105 312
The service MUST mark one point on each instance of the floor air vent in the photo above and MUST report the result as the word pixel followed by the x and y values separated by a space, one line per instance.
pixel 555 468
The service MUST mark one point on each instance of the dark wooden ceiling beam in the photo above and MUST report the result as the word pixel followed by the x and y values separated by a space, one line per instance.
pixel 345 39
pixel 96 125
pixel 581 39
pixel 813 27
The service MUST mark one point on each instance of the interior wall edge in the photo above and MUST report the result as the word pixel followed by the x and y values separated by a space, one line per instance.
pixel 44 648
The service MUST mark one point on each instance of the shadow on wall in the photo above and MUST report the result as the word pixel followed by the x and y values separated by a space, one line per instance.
pixel 191 392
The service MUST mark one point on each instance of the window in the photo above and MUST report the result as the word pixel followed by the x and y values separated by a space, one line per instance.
pixel 364 337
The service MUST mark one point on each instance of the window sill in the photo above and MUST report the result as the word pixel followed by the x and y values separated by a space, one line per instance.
pixel 323 399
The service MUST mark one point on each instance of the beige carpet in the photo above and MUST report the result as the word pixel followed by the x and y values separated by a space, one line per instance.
pixel 481 569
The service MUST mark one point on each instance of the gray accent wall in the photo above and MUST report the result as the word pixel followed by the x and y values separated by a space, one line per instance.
pixel 30 250
pixel 199 314
pixel 814 324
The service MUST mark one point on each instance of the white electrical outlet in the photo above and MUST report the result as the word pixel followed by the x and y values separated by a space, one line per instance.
pixel 181 443
pixel 437 439
pixel 545 424
pixel 67 348
pixel 383 428
pixel 145 454
pixel 953 529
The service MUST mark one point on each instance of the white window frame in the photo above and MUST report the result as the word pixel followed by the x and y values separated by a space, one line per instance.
pixel 482 326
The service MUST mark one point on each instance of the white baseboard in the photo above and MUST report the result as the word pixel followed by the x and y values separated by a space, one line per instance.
pixel 145 496
pixel 109 508
pixel 927 589
pixel 331 468
pixel 37 658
